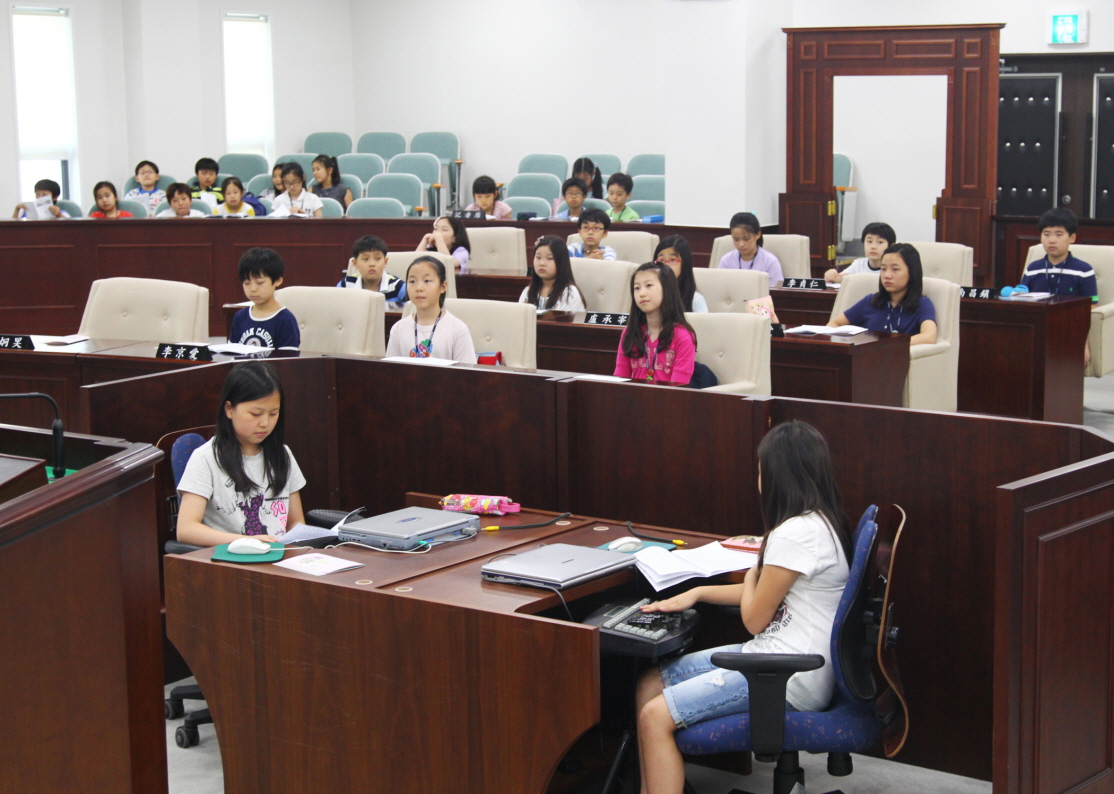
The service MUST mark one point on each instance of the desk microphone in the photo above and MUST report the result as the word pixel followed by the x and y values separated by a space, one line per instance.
pixel 59 465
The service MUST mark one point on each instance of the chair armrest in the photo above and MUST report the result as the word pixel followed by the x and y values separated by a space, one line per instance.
pixel 767 675
pixel 175 547
pixel 326 519
pixel 922 351
pixel 1104 311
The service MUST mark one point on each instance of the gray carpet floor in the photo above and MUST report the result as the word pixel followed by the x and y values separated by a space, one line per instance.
pixel 198 769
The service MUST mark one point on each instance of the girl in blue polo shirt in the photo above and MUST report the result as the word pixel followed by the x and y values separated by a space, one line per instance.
pixel 898 306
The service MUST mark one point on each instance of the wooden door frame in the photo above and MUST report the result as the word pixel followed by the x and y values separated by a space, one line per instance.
pixel 966 54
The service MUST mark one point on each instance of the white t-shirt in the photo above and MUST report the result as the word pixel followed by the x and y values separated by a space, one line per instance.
pixel 246 211
pixel 803 622
pixel 170 213
pixel 255 513
pixel 699 303
pixel 861 265
pixel 307 203
pixel 451 340
pixel 570 300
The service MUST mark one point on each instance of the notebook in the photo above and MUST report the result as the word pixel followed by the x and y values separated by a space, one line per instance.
pixel 556 566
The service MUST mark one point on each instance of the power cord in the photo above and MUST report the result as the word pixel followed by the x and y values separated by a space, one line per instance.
pixel 550 522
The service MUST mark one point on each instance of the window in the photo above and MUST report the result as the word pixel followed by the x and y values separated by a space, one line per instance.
pixel 45 98
pixel 249 94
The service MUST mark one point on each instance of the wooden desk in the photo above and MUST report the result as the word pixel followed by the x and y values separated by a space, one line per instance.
pixel 423 679
pixel 1016 358
pixel 993 520
pixel 81 653
pixel 869 368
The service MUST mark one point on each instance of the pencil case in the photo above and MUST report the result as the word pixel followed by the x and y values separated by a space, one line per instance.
pixel 480 505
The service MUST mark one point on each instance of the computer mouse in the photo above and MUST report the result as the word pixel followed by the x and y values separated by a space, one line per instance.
pixel 248 546
pixel 625 544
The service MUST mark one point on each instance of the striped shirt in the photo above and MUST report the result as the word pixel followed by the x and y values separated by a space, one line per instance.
pixel 1070 277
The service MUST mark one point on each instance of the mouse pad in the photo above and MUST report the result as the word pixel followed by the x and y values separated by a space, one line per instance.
pixel 222 554
pixel 645 543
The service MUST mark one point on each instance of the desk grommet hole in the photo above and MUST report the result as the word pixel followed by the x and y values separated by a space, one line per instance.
pixel 601 529
pixel 403 589
pixel 364 581
pixel 563 523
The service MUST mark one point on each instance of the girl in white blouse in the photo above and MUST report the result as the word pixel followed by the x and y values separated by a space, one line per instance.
pixel 553 287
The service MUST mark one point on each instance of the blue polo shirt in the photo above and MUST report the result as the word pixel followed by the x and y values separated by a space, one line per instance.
pixel 890 317
pixel 1070 277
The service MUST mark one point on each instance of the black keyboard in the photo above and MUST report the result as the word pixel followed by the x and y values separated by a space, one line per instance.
pixel 625 630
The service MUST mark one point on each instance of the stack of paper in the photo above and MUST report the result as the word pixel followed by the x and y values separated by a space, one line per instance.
pixel 664 569
pixel 318 564
pixel 843 330
pixel 1029 296
pixel 300 533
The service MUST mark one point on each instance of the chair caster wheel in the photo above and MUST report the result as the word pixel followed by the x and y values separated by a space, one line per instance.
pixel 175 709
pixel 186 737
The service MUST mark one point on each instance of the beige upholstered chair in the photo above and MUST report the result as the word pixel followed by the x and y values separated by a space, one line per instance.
pixel 729 290
pixel 790 249
pixel 497 251
pixel 398 261
pixel 950 261
pixel 343 322
pixel 933 378
pixel 509 328
pixel 629 246
pixel 1101 335
pixel 146 309
pixel 736 347
pixel 604 285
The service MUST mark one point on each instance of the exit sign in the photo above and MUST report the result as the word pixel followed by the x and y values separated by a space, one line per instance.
pixel 1068 28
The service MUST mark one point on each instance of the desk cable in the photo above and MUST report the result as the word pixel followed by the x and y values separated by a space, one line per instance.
pixel 630 528
pixel 550 522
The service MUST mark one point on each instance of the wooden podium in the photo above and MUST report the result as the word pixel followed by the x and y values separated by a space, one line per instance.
pixel 81 656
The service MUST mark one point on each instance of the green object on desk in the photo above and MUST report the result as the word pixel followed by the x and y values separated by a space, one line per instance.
pixel 645 543
pixel 50 473
pixel 222 554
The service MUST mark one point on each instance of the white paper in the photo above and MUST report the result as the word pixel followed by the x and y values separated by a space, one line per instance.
pixel 843 330
pixel 604 378
pixel 432 362
pixel 279 212
pixel 318 564
pixel 234 348
pixel 1029 296
pixel 303 532
pixel 39 209
pixel 72 339
pixel 663 568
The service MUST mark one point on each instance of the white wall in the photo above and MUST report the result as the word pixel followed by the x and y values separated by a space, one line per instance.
pixel 900 154
pixel 624 76
pixel 150 83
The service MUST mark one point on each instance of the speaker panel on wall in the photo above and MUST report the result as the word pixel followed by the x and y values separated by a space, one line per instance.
pixel 1028 143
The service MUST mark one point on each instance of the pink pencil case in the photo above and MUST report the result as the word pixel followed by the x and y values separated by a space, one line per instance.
pixel 480 505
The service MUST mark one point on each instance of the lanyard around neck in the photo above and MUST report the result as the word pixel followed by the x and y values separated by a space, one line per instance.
pixel 424 350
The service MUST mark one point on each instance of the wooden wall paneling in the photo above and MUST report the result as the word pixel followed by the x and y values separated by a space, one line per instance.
pixel 943 469
pixel 25 306
pixel 86 631
pixel 968 55
pixel 146 408
pixel 1055 662
pixel 632 453
pixel 500 425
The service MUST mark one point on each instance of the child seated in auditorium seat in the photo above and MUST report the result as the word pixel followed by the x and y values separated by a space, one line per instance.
pixel 44 188
pixel 485 196
pixel 266 323
pixel 206 172
pixel 148 193
pixel 877 237
pixel 619 189
pixel 367 269
pixel 180 198
pixel 593 230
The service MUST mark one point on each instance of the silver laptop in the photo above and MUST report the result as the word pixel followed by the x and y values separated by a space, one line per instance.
pixel 558 565
pixel 407 529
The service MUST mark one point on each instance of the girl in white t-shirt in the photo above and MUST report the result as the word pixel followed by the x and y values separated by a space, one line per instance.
pixel 430 332
pixel 787 601
pixel 552 287
pixel 244 481
pixel 298 201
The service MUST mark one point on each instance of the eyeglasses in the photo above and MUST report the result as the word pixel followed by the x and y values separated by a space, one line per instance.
pixel 592 227
pixel 668 260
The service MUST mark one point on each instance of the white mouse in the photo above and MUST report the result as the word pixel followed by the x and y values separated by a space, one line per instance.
pixel 248 546
pixel 625 544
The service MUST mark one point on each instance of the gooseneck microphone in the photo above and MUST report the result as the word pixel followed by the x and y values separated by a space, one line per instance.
pixel 58 464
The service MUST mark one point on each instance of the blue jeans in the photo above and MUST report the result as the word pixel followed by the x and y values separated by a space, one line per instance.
pixel 697 690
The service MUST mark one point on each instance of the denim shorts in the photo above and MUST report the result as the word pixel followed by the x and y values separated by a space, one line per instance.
pixel 697 690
